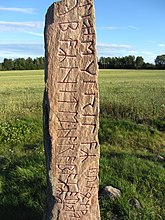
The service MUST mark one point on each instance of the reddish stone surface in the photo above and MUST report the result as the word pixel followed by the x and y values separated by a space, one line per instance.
pixel 71 112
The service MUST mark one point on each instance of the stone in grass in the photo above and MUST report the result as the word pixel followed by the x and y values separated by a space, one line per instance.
pixel 111 192
pixel 135 203
pixel 160 158
pixel 114 217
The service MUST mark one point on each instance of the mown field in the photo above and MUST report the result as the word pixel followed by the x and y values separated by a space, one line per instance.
pixel 132 139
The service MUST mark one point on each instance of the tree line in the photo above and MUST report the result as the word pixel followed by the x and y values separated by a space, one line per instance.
pixel 23 64
pixel 127 62
pixel 130 62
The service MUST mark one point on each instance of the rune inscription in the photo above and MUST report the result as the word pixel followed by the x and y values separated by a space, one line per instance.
pixel 71 111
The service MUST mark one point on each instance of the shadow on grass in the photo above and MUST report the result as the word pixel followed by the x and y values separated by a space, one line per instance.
pixel 22 187
pixel 9 212
pixel 111 210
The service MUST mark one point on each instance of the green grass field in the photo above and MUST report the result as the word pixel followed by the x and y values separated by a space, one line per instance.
pixel 132 135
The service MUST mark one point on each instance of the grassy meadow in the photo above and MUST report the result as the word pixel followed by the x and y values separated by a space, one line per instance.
pixel 132 139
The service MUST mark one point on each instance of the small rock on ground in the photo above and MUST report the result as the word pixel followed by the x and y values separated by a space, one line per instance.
pixel 135 203
pixel 160 158
pixel 111 192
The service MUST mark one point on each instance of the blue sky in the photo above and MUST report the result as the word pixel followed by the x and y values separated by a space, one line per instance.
pixel 124 27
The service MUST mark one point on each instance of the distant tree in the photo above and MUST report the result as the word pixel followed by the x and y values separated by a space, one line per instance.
pixel 36 63
pixel 126 62
pixel 103 62
pixel 160 61
pixel 148 66
pixel 139 62
pixel 42 62
pixel 117 62
pixel 113 62
pixel 39 63
pixel 129 62
pixel 29 63
pixel 20 64
pixel 7 64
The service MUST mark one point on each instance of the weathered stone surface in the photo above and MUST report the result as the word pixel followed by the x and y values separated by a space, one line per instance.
pixel 111 192
pixel 160 158
pixel 71 111
pixel 135 203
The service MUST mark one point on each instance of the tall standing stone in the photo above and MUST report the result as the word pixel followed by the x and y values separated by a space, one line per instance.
pixel 71 112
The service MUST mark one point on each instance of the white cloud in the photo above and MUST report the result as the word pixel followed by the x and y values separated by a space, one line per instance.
pixel 19 10
pixel 9 26
pixel 133 27
pixel 161 45
pixel 105 47
pixel 113 50
pixel 22 24
pixel 132 51
pixel 34 33
pixel 118 28
pixel 121 50
pixel 147 52
pixel 151 41
pixel 21 49
pixel 108 28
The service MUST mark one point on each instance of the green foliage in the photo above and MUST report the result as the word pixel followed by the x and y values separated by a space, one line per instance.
pixel 139 62
pixel 23 64
pixel 20 136
pixel 7 64
pixel 138 174
pixel 23 188
pixel 160 61
pixel 133 95
pixel 22 170
pixel 17 133
pixel 132 135
pixel 127 62
pixel 130 62
pixel 127 134
pixel 132 125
